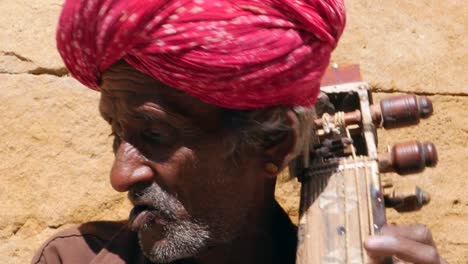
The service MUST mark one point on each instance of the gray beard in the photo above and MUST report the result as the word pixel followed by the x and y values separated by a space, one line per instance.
pixel 182 239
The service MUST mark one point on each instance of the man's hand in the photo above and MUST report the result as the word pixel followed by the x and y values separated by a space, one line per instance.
pixel 408 243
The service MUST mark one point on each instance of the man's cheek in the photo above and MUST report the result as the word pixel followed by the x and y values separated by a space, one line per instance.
pixel 175 171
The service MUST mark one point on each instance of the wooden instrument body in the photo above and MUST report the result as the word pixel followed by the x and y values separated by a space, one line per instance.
pixel 341 196
pixel 334 224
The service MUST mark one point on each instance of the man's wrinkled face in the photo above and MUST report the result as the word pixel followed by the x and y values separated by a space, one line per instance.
pixel 176 162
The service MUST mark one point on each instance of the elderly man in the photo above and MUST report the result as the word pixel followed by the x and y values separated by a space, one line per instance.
pixel 200 96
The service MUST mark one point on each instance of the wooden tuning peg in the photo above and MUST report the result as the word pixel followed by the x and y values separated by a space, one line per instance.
pixel 409 157
pixel 400 111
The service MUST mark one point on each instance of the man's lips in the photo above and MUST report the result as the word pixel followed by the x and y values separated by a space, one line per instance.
pixel 144 215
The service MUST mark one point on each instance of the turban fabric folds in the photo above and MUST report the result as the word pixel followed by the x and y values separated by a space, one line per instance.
pixel 236 54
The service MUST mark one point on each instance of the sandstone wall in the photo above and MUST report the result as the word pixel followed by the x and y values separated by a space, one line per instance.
pixel 55 151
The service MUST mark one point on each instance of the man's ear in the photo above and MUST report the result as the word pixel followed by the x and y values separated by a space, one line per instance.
pixel 283 151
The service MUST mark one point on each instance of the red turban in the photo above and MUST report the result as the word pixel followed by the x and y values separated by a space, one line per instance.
pixel 236 54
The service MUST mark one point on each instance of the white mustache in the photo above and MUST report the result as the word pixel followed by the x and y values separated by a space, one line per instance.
pixel 155 198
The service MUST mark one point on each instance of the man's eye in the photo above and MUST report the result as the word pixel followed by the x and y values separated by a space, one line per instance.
pixel 154 136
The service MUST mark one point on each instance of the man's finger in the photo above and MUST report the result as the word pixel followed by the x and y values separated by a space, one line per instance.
pixel 402 248
pixel 415 232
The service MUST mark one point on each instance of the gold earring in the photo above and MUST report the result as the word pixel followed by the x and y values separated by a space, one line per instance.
pixel 271 168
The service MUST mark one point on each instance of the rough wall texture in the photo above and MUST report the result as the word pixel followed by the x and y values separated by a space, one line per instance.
pixel 55 153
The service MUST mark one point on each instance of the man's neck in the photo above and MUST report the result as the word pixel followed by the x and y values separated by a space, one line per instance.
pixel 272 239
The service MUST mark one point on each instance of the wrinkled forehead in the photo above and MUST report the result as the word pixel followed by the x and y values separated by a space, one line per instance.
pixel 124 82
pixel 125 88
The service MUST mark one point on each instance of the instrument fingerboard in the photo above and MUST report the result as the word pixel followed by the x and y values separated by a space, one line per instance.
pixel 336 212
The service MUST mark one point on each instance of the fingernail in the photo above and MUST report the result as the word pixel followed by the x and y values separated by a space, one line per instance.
pixel 379 241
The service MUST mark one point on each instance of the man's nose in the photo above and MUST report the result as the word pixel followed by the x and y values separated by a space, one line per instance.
pixel 129 168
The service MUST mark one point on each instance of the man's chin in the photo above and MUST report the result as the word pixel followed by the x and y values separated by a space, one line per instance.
pixel 150 236
pixel 171 242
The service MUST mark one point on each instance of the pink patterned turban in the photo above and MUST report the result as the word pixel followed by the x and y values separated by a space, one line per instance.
pixel 236 54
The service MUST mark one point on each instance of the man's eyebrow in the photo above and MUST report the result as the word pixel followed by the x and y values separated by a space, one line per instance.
pixel 148 113
pixel 144 115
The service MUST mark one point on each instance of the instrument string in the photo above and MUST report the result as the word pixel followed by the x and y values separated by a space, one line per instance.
pixel 369 205
pixel 343 186
pixel 358 193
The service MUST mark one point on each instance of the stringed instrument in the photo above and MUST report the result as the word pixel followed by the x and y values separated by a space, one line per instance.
pixel 343 195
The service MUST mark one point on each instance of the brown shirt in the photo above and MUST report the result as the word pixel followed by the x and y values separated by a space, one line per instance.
pixel 114 243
